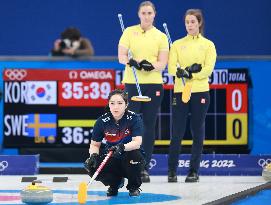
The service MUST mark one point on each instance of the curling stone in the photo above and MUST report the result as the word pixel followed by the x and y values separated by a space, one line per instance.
pixel 36 194
pixel 267 172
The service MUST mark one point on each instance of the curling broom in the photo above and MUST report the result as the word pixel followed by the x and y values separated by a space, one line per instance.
pixel 83 186
pixel 188 85
pixel 139 97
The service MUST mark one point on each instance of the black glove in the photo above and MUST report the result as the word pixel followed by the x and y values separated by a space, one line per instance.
pixel 182 73
pixel 195 68
pixel 117 150
pixel 134 63
pixel 91 162
pixel 146 65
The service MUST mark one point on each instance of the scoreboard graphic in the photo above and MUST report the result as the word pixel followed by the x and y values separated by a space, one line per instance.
pixel 53 107
pixel 227 117
pixel 58 108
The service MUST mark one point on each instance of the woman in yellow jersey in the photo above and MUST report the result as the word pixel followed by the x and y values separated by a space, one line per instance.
pixel 194 53
pixel 149 49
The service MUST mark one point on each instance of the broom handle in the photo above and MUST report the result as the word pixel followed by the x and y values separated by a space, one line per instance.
pixel 170 43
pixel 100 167
pixel 130 56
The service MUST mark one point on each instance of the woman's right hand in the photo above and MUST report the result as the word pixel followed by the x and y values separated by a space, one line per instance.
pixel 183 73
pixel 134 63
pixel 91 162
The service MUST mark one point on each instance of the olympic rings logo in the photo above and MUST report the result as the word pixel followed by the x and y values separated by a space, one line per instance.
pixel 152 163
pixel 264 162
pixel 15 74
pixel 3 165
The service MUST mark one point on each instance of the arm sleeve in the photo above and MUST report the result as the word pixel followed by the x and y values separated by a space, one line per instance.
pixel 97 134
pixel 124 39
pixel 164 43
pixel 85 49
pixel 208 65
pixel 172 60
pixel 137 126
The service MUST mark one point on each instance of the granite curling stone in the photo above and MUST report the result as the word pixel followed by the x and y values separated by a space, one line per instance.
pixel 36 194
pixel 267 172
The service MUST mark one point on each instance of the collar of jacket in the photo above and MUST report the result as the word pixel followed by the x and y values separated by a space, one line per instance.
pixel 194 37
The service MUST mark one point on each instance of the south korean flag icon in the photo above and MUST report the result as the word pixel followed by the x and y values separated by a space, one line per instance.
pixel 41 92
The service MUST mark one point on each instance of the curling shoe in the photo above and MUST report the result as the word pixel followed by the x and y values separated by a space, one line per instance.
pixel 145 177
pixel 112 191
pixel 172 177
pixel 134 192
pixel 192 177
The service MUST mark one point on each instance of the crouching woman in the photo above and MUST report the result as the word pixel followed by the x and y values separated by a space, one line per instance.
pixel 118 130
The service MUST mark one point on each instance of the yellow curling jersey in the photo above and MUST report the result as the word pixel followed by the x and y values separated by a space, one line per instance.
pixel 143 45
pixel 187 51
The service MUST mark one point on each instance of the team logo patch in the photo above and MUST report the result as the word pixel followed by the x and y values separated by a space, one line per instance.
pixel 158 93
pixel 133 162
pixel 183 47
pixel 203 101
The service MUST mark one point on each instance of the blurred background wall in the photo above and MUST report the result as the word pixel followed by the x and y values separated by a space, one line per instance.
pixel 29 27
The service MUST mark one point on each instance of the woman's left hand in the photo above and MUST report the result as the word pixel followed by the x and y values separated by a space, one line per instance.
pixel 146 65
pixel 117 150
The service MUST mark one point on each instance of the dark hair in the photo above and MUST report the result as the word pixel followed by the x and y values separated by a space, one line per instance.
pixel 120 92
pixel 198 14
pixel 147 3
pixel 71 33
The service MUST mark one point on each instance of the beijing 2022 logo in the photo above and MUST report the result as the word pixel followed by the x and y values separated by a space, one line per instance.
pixel 3 165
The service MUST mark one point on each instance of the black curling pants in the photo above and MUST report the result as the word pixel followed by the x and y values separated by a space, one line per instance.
pixel 198 107
pixel 149 112
pixel 129 166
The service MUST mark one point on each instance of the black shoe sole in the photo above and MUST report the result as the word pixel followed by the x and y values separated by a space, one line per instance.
pixel 191 180
pixel 134 195
pixel 172 180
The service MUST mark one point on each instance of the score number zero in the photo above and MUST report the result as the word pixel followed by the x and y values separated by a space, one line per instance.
pixel 75 135
pixel 236 104
pixel 80 90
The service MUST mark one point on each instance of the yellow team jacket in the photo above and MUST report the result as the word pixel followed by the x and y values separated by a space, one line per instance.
pixel 187 51
pixel 143 45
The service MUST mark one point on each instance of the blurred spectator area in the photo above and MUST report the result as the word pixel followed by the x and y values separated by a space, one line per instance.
pixel 28 27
